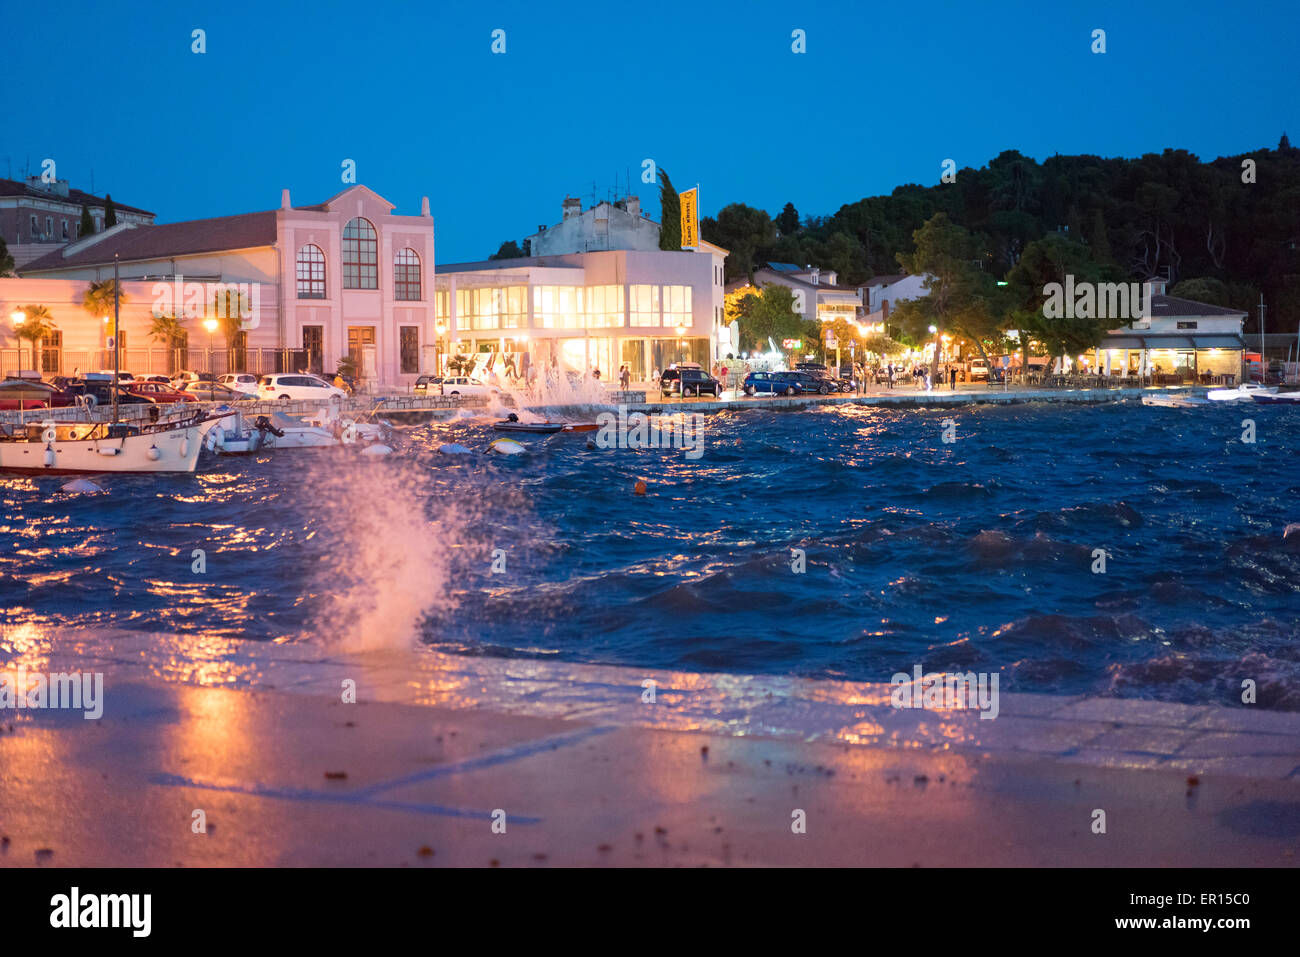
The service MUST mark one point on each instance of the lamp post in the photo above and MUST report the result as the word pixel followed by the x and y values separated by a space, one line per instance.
pixel 934 360
pixel 441 329
pixel 211 326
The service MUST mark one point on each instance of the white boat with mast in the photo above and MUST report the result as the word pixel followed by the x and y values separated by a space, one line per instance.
pixel 69 448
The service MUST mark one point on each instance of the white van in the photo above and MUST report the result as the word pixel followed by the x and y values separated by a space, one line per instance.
pixel 297 385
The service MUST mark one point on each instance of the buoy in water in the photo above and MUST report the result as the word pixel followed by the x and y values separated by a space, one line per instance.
pixel 451 448
pixel 82 485
pixel 377 450
pixel 639 487
pixel 506 446
pixel 591 443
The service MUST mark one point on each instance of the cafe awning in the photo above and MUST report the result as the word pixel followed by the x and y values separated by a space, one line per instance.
pixel 1172 342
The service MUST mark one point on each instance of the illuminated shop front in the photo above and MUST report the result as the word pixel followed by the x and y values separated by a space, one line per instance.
pixel 584 311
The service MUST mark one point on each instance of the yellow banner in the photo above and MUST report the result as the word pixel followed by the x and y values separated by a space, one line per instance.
pixel 690 218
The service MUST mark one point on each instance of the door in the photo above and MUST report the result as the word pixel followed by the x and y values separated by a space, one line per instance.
pixel 359 336
pixel 313 344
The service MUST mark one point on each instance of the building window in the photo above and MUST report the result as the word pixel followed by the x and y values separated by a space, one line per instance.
pixel 557 307
pixel 1187 325
pixel 51 352
pixel 604 307
pixel 311 272
pixel 36 231
pixel 441 305
pixel 491 307
pixel 644 305
pixel 49 228
pixel 65 230
pixel 360 255
pixel 410 345
pixel 406 275
pixel 677 306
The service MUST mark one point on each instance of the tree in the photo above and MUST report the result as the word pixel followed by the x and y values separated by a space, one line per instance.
pixel 87 222
pixel 1098 243
pixel 508 250
pixel 34 328
pixel 170 331
pixel 1052 260
pixel 960 294
pixel 1284 144
pixel 787 221
pixel 98 299
pixel 743 230
pixel 6 260
pixel 767 313
pixel 670 219
pixel 110 211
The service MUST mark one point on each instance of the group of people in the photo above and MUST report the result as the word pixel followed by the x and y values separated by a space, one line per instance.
pixel 948 374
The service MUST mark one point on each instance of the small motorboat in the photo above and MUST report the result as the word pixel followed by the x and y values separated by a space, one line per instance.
pixel 512 424
pixel 1242 393
pixel 232 436
pixel 1278 398
pixel 1183 401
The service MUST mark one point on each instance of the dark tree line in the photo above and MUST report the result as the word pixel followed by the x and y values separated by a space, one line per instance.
pixel 1224 232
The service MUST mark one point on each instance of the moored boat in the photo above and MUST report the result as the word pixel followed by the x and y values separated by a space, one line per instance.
pixel 1242 393
pixel 74 448
pixel 1176 401
pixel 1278 398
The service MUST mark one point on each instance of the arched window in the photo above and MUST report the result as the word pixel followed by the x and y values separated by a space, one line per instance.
pixel 311 272
pixel 360 255
pixel 406 274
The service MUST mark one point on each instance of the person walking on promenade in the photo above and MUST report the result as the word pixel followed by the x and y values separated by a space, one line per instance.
pixel 952 374
pixel 889 373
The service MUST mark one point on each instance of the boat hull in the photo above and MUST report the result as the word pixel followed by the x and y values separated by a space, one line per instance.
pixel 170 450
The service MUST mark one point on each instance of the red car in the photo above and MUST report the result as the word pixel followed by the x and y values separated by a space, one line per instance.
pixel 16 393
pixel 158 393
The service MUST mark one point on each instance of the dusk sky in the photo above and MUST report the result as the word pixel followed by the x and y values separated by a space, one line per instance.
pixel 586 91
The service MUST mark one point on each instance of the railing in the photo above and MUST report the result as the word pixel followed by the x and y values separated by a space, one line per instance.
pixel 257 361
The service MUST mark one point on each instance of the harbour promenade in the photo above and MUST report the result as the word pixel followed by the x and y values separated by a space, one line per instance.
pixel 449 760
pixel 413 408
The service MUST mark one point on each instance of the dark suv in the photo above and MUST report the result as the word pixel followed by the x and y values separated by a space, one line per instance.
pixel 688 382
pixel 779 383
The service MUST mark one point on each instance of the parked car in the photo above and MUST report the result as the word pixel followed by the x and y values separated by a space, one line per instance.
pixel 158 393
pixel 179 379
pixel 978 370
pixel 777 383
pixel 97 389
pixel 826 381
pixel 218 392
pixel 428 385
pixel 27 393
pixel 243 381
pixel 122 376
pixel 461 385
pixel 688 381
pixel 297 386
pixel 154 377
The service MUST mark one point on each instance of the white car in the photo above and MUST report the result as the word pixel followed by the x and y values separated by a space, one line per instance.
pixel 464 385
pixel 297 385
pixel 243 381
pixel 979 369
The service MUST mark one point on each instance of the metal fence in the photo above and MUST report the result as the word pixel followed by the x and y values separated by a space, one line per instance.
pixel 158 361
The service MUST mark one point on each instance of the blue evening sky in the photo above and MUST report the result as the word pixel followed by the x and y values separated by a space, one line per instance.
pixel 587 90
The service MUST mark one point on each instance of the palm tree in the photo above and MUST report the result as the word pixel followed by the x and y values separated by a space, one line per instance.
pixel 34 328
pixel 168 329
pixel 98 300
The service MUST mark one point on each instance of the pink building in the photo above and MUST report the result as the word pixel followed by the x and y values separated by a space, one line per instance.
pixel 346 277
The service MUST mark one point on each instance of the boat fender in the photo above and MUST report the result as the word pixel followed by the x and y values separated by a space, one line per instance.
pixel 154 453
pixel 108 450
pixel 49 455
pixel 216 439
pixel 185 446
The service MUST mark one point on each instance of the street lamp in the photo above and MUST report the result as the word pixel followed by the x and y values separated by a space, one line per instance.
pixel 441 329
pixel 211 326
